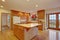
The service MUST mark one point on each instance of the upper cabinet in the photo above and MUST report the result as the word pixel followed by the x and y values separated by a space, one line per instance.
pixel 18 13
pixel 23 15
pixel 41 14
pixel 14 13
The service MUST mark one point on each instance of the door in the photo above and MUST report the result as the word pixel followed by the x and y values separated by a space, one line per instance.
pixel 5 18
pixel 54 21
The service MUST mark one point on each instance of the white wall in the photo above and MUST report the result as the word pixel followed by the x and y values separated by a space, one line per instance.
pixel 52 10
pixel 2 11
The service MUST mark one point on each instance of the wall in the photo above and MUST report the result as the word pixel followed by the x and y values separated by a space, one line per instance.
pixel 2 11
pixel 52 10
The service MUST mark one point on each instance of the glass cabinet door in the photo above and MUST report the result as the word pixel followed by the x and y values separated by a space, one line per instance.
pixel 52 21
pixel 59 20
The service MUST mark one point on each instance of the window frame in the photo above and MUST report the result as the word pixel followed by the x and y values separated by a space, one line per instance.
pixel 57 20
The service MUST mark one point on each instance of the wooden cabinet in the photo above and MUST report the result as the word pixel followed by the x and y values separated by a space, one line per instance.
pixel 20 14
pixel 41 18
pixel 25 31
pixel 19 32
pixel 41 14
pixel 40 27
pixel 15 13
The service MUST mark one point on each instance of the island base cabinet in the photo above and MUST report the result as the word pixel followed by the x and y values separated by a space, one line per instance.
pixel 40 27
pixel 18 32
pixel 23 34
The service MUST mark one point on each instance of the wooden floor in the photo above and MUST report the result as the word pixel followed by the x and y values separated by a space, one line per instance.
pixel 45 35
pixel 7 35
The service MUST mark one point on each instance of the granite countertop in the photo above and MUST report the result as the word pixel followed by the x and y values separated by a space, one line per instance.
pixel 28 25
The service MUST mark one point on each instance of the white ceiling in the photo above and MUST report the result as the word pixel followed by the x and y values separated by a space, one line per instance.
pixel 23 5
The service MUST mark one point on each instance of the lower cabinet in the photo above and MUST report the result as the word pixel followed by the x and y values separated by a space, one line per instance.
pixel 40 27
pixel 25 33
pixel 18 32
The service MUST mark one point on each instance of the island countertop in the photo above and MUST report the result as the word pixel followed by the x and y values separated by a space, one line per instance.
pixel 29 25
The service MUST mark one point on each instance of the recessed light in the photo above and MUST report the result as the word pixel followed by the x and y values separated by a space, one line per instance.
pixel 1 6
pixel 3 0
pixel 36 5
pixel 28 0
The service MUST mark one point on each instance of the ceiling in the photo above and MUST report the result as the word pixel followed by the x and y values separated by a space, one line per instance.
pixel 30 5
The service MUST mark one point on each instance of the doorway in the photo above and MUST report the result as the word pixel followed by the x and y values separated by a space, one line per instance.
pixel 5 21
pixel 54 21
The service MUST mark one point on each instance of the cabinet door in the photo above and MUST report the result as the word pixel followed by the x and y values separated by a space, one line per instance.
pixel 40 27
pixel 41 14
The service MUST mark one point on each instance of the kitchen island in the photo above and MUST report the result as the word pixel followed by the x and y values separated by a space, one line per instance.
pixel 25 31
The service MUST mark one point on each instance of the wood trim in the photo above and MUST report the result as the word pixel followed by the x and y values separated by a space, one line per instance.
pixel 48 21
pixel 54 13
pixel 11 20
pixel 57 22
pixel 54 28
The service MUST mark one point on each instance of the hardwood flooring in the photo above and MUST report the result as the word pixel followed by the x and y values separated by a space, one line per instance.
pixel 7 35
pixel 45 35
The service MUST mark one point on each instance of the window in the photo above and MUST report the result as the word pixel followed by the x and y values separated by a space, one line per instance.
pixel 54 20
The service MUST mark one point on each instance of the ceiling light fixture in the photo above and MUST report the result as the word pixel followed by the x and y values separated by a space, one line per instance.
pixel 36 5
pixel 1 6
pixel 28 0
pixel 3 0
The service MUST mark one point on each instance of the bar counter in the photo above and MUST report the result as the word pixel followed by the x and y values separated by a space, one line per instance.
pixel 25 31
